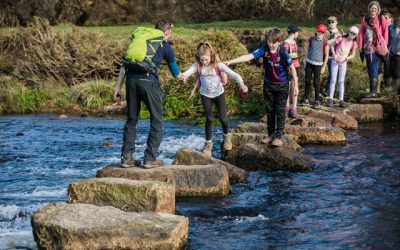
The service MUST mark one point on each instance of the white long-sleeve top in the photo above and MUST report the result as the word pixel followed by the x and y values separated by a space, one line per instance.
pixel 210 82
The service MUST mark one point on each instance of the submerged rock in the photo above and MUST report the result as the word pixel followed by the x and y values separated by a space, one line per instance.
pixel 85 226
pixel 127 195
pixel 188 156
pixel 251 156
pixel 196 180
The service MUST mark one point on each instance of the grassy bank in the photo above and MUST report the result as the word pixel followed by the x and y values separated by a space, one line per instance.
pixel 67 68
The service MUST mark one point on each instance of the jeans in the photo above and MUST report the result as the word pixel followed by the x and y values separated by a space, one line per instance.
pixel 372 64
pixel 310 70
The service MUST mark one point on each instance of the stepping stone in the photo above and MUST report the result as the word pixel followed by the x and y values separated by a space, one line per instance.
pixel 303 133
pixel 262 157
pixel 127 195
pixel 85 226
pixel 365 112
pixel 188 156
pixel 336 119
pixel 189 181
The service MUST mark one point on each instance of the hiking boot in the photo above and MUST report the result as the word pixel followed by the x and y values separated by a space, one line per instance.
pixel 373 85
pixel 277 142
pixel 267 140
pixel 153 164
pixel 293 113
pixel 305 102
pixel 127 162
pixel 207 150
pixel 317 105
pixel 342 104
pixel 329 103
pixel 227 142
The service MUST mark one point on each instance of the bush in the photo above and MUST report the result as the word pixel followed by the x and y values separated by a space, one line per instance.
pixel 94 94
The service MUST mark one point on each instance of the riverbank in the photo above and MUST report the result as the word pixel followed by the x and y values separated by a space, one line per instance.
pixel 70 69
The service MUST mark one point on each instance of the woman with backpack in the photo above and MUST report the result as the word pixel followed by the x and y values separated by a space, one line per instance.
pixel 343 49
pixel 373 54
pixel 210 78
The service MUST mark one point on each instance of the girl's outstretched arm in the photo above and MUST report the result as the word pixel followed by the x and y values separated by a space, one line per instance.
pixel 353 53
pixel 234 75
pixel 240 59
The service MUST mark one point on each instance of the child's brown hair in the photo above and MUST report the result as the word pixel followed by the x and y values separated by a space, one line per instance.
pixel 274 35
pixel 206 48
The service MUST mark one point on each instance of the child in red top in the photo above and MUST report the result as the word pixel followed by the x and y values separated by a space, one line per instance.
pixel 290 46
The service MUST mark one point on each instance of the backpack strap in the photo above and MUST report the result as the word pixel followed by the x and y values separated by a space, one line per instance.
pixel 310 40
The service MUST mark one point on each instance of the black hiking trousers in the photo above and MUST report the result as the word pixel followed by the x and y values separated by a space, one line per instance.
pixel 310 70
pixel 275 97
pixel 137 91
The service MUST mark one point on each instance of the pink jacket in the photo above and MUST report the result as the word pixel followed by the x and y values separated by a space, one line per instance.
pixel 383 30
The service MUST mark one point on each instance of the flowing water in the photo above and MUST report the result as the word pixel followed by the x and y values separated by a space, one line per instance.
pixel 351 199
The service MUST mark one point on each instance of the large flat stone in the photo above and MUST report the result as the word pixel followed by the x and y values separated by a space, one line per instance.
pixel 85 226
pixel 196 180
pixel 336 119
pixel 262 157
pixel 188 156
pixel 306 131
pixel 316 135
pixel 365 112
pixel 127 195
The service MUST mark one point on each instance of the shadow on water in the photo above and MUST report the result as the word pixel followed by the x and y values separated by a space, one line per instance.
pixel 350 200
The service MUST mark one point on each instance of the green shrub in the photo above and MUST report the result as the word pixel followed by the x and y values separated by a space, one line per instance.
pixel 94 94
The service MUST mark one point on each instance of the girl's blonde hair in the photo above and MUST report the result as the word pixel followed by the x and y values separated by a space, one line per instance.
pixel 377 5
pixel 205 48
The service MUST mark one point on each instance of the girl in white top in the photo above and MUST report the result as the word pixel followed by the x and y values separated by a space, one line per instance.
pixel 210 77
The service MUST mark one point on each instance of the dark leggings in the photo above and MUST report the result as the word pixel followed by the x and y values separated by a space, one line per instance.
pixel 221 106
pixel 392 67
pixel 310 70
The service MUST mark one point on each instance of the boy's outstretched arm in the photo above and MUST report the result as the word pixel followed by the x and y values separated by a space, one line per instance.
pixel 240 59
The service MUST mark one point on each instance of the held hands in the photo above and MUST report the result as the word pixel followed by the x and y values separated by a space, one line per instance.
pixel 182 77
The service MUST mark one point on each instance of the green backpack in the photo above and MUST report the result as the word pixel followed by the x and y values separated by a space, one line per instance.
pixel 141 49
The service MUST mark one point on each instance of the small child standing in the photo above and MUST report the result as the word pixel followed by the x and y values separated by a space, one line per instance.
pixel 317 59
pixel 341 47
pixel 276 62
pixel 291 47
pixel 209 73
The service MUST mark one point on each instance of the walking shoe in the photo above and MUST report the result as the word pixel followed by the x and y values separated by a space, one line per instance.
pixel 329 103
pixel 342 104
pixel 127 162
pixel 277 142
pixel 304 102
pixel 153 164
pixel 267 139
pixel 227 142
pixel 317 105
pixel 207 150
pixel 293 113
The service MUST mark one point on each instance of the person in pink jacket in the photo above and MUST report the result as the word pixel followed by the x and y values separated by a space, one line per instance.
pixel 368 52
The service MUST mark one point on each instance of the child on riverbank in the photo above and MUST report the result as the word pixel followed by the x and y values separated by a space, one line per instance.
pixel 276 62
pixel 343 49
pixel 333 32
pixel 209 71
pixel 317 59
pixel 291 47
